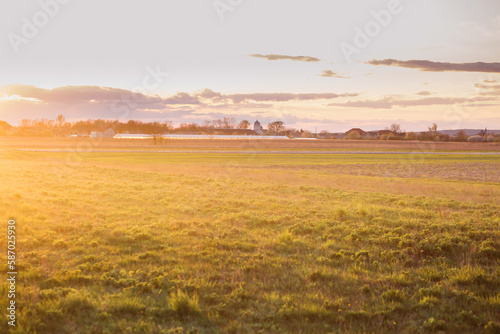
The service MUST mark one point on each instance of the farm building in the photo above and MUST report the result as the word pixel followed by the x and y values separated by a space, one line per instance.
pixel 240 132
pixel 78 133
pixel 257 128
pixel 184 136
pixel 108 133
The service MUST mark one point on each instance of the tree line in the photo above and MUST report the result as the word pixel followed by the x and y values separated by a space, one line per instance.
pixel 60 127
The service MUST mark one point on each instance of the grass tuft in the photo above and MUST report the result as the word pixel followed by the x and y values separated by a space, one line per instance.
pixel 183 304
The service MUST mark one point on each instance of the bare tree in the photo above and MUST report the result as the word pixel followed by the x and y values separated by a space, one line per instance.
pixel 218 123
pixel 60 120
pixel 244 124
pixel 461 136
pixel 395 128
pixel 207 124
pixel 26 123
pixel 169 126
pixel 229 122
pixel 433 128
pixel 276 127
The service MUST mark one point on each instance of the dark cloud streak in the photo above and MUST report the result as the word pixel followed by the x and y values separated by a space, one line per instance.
pixel 331 74
pixel 388 103
pixel 424 93
pixel 431 66
pixel 285 57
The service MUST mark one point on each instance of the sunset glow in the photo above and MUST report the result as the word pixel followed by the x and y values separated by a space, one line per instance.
pixel 330 66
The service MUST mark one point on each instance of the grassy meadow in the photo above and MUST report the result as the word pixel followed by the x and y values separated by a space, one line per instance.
pixel 252 243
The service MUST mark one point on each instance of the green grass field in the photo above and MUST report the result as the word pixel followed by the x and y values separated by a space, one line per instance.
pixel 236 243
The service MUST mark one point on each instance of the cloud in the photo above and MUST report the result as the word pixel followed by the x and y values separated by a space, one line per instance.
pixel 476 105
pixel 488 87
pixel 82 95
pixel 388 102
pixel 424 93
pixel 432 101
pixel 96 95
pixel 384 103
pixel 82 102
pixel 430 66
pixel 283 97
pixel 491 88
pixel 239 106
pixel 284 57
pixel 182 98
pixel 330 74
pixel 209 96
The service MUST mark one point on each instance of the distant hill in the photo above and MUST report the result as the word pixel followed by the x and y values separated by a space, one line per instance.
pixel 468 132
pixel 5 125
pixel 4 128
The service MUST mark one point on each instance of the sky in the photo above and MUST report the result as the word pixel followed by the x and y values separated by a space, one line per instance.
pixel 317 65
